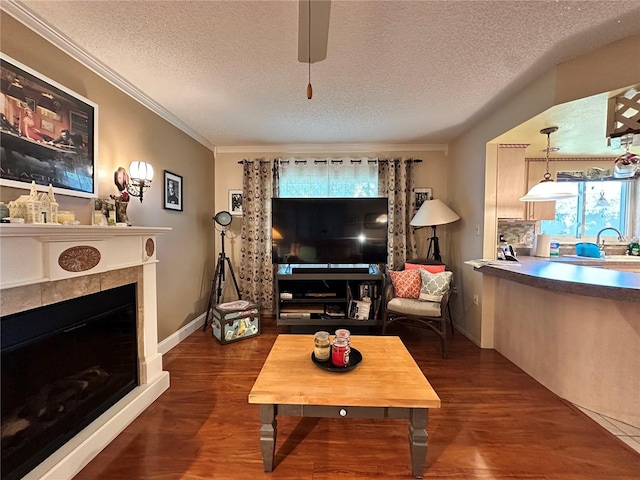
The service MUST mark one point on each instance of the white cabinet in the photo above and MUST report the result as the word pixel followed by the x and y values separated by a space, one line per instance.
pixel 539 210
pixel 511 182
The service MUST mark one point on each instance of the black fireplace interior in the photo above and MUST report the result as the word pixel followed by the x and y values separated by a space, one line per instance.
pixel 63 365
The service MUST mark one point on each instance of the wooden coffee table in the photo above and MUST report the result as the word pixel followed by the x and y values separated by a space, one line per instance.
pixel 387 384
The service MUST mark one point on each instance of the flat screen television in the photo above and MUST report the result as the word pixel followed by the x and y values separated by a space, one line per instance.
pixel 329 230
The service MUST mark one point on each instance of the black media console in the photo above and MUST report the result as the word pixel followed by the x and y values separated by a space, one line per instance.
pixel 329 294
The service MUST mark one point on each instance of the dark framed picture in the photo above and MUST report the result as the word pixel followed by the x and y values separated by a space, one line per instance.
pixel 235 202
pixel 47 132
pixel 172 191
pixel 422 195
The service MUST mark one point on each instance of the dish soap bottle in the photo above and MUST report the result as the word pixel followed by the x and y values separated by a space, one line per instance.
pixel 634 247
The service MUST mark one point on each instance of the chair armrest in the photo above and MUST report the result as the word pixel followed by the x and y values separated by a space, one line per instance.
pixel 389 293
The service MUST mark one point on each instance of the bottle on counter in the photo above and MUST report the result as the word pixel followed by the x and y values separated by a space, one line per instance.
pixel 634 247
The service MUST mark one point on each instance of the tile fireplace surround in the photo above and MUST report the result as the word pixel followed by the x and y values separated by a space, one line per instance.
pixel 46 264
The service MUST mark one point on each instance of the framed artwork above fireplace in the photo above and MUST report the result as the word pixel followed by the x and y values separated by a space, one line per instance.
pixel 48 133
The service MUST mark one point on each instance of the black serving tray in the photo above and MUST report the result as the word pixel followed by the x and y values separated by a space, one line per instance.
pixel 355 358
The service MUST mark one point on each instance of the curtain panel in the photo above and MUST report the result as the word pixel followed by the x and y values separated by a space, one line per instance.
pixel 256 269
pixel 396 182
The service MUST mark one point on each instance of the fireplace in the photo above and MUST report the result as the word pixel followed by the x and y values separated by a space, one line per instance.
pixel 79 342
pixel 63 365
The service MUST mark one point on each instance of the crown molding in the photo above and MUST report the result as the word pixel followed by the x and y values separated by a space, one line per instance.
pixel 40 26
pixel 335 148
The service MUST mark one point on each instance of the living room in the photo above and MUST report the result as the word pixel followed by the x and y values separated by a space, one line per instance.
pixel 186 255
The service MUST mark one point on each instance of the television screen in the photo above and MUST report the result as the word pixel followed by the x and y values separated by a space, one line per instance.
pixel 329 230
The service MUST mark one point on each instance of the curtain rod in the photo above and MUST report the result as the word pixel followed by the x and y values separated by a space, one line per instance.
pixel 384 160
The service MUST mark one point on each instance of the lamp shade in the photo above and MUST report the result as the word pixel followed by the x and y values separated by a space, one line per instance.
pixel 433 212
pixel 141 171
pixel 547 190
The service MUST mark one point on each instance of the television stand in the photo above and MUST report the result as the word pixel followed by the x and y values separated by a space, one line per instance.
pixel 322 294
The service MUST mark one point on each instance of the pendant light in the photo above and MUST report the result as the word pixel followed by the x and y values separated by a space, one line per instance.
pixel 547 189
pixel 602 202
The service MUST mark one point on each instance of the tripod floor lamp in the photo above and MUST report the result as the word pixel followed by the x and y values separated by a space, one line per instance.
pixel 431 214
pixel 223 219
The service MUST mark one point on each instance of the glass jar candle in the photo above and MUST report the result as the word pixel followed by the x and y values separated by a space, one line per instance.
pixel 344 333
pixel 340 352
pixel 65 217
pixel 322 346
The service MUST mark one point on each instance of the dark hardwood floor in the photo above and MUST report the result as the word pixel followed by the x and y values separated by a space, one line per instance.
pixel 495 422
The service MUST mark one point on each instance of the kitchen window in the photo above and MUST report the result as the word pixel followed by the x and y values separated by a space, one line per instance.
pixel 598 205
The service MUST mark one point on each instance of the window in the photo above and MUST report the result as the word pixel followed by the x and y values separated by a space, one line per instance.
pixel 598 205
pixel 327 178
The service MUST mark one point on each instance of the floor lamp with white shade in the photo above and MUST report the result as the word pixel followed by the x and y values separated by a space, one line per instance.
pixel 431 214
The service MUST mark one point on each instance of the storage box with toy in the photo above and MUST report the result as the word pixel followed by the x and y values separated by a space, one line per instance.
pixel 235 321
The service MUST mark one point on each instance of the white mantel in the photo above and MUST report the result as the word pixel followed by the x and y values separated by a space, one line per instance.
pixel 45 264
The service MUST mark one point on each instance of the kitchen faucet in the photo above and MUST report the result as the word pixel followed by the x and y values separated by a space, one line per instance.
pixel 601 246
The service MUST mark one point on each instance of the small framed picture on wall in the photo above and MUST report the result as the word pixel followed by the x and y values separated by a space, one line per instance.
pixel 422 195
pixel 172 191
pixel 235 202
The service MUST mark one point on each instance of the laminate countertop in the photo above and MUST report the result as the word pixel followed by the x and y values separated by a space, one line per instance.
pixel 565 275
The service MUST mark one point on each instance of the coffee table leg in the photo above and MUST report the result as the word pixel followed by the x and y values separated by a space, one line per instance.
pixel 268 433
pixel 418 440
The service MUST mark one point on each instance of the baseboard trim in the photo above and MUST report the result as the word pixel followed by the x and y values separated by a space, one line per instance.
pixel 173 340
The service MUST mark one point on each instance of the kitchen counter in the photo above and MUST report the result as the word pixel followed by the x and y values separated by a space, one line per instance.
pixel 572 325
pixel 573 275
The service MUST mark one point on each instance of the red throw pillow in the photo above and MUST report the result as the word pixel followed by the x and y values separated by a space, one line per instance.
pixel 407 283
pixel 428 268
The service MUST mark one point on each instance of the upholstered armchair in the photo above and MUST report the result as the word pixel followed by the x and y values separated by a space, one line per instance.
pixel 426 308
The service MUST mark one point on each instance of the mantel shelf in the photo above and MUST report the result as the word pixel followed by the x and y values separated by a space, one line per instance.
pixel 49 232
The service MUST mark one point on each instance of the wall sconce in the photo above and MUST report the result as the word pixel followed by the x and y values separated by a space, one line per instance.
pixel 140 176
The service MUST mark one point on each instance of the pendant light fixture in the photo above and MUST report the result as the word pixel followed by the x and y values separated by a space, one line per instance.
pixel 547 190
pixel 602 202
pixel 309 87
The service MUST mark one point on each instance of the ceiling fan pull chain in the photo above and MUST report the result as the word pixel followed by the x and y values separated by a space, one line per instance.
pixel 309 87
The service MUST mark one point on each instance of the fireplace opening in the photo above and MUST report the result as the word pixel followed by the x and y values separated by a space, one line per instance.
pixel 63 365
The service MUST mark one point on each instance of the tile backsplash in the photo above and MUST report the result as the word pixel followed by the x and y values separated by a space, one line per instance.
pixel 517 233
pixel 520 234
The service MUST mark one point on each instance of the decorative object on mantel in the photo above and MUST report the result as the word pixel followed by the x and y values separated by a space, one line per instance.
pixel 433 213
pixel 102 212
pixel 547 189
pixel 121 179
pixel 140 176
pixel 35 207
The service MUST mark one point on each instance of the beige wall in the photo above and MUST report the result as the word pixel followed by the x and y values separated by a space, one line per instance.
pixel 471 157
pixel 129 131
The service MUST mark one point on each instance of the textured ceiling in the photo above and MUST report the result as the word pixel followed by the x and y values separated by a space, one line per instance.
pixel 396 72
